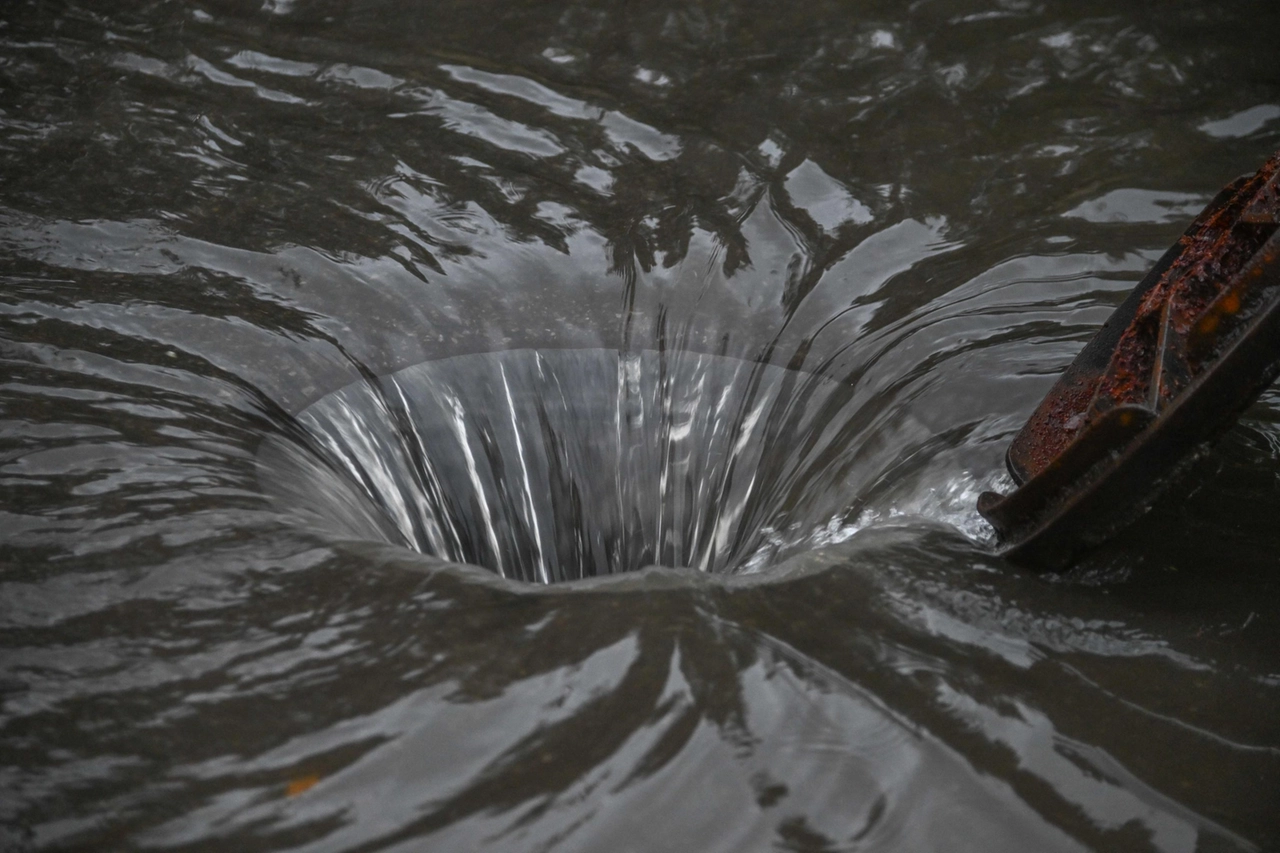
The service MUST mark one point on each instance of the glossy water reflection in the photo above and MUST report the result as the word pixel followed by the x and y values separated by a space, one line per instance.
pixel 222 221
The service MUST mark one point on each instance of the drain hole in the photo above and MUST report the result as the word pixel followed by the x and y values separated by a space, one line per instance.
pixel 554 465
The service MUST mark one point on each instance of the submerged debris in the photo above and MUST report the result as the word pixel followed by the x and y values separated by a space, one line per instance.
pixel 1190 348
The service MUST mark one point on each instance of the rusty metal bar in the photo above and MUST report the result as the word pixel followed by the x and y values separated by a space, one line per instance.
pixel 1191 347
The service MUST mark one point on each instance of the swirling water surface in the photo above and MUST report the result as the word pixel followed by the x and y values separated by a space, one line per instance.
pixel 556 426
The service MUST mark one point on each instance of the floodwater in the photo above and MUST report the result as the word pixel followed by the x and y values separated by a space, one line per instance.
pixel 555 426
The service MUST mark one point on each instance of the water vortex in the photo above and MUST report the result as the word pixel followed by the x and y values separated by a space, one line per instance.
pixel 554 465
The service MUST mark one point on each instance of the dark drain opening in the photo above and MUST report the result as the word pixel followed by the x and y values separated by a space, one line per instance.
pixel 554 465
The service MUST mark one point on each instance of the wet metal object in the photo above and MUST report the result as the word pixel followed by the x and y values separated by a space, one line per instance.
pixel 1190 348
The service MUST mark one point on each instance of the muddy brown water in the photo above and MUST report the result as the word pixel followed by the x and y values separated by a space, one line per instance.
pixel 722 313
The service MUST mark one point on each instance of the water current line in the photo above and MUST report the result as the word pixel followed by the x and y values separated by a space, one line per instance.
pixel 724 522
pixel 431 496
pixel 628 377
pixel 526 490
pixel 664 443
pixel 459 425
pixel 745 418
pixel 357 443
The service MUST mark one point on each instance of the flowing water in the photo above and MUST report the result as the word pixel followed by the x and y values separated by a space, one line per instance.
pixel 555 426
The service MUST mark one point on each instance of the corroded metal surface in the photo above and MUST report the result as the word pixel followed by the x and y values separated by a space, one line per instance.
pixel 1191 347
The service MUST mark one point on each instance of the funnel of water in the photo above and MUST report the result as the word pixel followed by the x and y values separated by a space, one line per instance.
pixel 554 465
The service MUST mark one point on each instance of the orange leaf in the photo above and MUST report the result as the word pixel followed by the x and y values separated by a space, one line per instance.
pixel 301 785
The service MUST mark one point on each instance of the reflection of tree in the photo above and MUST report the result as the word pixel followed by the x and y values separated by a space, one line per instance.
pixel 554 758
pixel 685 674
pixel 817 81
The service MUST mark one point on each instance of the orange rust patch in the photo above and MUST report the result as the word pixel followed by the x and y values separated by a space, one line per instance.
pixel 1198 290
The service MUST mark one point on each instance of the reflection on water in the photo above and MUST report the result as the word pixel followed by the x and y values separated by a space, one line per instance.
pixel 301 300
